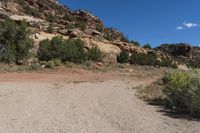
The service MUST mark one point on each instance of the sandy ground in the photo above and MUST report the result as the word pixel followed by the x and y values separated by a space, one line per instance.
pixel 81 102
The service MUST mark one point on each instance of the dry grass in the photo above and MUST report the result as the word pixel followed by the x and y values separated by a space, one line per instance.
pixel 152 92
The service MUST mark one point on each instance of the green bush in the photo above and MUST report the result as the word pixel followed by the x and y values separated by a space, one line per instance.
pixel 50 64
pixel 50 29
pixel 123 57
pixel 51 18
pixel 151 59
pixel 15 42
pixel 81 25
pixel 94 54
pixel 144 59
pixel 147 46
pixel 175 90
pixel 75 51
pixel 69 17
pixel 193 97
pixel 182 90
pixel 36 66
pixel 65 50
pixel 194 63
pixel 57 62
pixel 135 43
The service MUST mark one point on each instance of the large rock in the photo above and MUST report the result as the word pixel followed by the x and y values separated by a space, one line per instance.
pixel 184 50
pixel 91 21
pixel 129 47
pixel 28 19
pixel 12 7
pixel 181 49
pixel 73 33
pixel 103 46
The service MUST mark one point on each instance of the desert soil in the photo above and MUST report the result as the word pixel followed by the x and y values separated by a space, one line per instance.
pixel 82 102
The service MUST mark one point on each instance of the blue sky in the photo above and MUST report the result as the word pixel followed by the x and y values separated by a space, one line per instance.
pixel 148 21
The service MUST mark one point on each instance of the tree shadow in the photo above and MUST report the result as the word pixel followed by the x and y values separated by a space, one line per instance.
pixel 166 111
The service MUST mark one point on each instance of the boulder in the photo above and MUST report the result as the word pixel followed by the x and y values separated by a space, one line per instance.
pixel 63 32
pixel 12 7
pixel 73 33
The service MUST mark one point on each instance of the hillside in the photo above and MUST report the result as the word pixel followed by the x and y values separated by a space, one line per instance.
pixel 183 53
pixel 47 19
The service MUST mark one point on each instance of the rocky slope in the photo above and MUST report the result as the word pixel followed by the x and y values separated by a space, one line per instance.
pixel 48 18
pixel 183 53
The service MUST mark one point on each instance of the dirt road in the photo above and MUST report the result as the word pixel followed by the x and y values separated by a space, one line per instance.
pixel 80 102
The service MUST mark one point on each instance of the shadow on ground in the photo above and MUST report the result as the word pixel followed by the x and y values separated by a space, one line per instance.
pixel 166 111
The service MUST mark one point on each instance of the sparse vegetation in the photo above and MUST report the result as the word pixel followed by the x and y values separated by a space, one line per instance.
pixel 112 34
pixel 135 43
pixel 193 63
pixel 69 17
pixel 81 25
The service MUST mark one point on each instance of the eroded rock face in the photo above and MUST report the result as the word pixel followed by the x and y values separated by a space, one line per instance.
pixel 91 21
pixel 184 50
pixel 68 24
pixel 73 33
pixel 181 49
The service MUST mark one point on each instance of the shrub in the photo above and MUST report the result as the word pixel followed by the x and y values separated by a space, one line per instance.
pixel 193 97
pixel 69 17
pixel 15 42
pixel 193 63
pixel 36 66
pixel 81 25
pixel 124 39
pixel 167 62
pixel 44 51
pixel 70 26
pixel 183 91
pixel 94 54
pixel 50 29
pixel 123 57
pixel 175 90
pixel 50 64
pixel 151 59
pixel 51 18
pixel 144 59
pixel 64 50
pixel 57 62
pixel 75 51
pixel 135 43
pixel 147 46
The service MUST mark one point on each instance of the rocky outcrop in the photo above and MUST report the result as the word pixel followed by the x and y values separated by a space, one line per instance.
pixel 57 20
pixel 181 49
pixel 90 20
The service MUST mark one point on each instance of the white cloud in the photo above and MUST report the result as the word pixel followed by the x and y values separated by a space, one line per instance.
pixel 179 28
pixel 187 25
pixel 190 25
